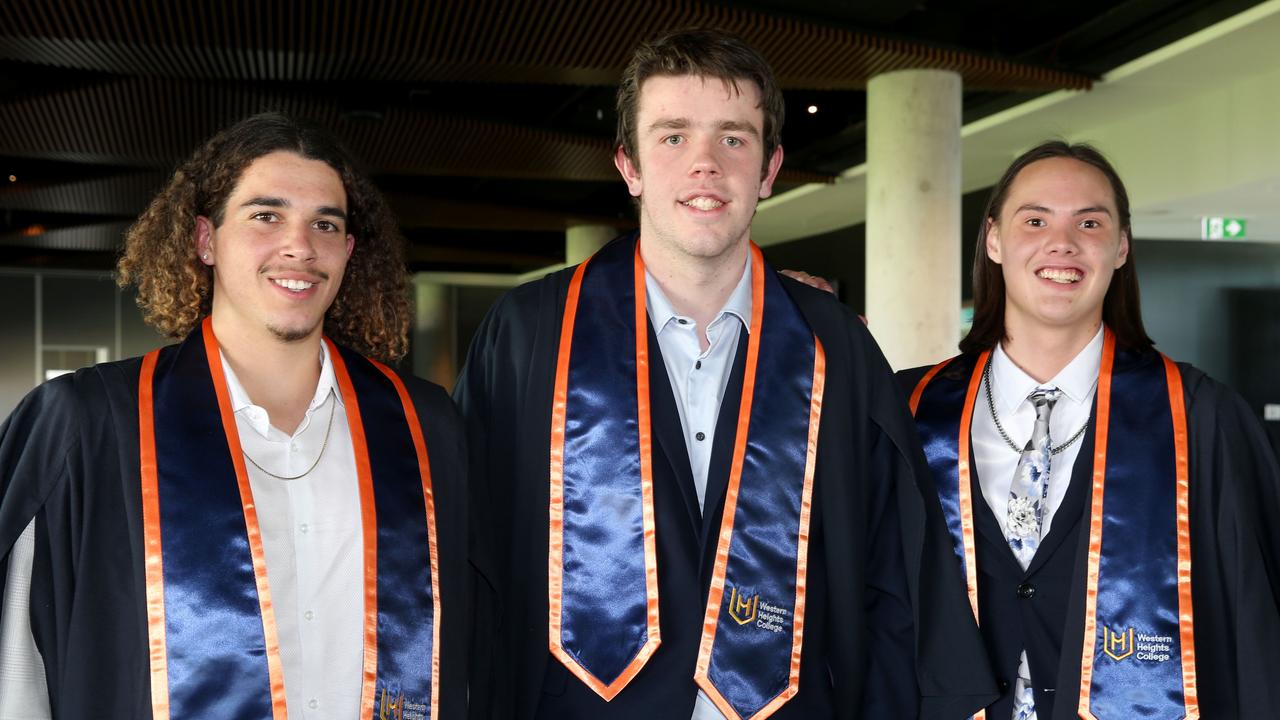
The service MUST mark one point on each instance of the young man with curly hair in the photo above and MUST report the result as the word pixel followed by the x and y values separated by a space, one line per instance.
pixel 1113 510
pixel 697 493
pixel 263 517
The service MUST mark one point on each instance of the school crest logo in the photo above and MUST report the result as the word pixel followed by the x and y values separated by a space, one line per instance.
pixel 390 708
pixel 1117 645
pixel 743 608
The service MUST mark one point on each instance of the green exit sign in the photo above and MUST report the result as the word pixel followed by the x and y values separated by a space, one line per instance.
pixel 1222 228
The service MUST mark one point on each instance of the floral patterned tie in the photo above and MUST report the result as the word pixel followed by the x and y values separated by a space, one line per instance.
pixel 1028 496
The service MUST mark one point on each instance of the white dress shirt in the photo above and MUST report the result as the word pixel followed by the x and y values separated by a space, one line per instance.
pixel 313 542
pixel 312 539
pixel 698 381
pixel 996 461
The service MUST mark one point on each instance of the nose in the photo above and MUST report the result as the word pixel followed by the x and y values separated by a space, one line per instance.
pixel 705 161
pixel 298 244
pixel 1063 240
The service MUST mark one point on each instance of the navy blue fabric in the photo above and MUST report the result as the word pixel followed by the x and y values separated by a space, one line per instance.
pixel 1137 606
pixel 405 612
pixel 213 623
pixel 751 658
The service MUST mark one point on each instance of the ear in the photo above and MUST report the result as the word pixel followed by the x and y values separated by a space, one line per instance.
pixel 1123 255
pixel 204 240
pixel 629 170
pixel 771 173
pixel 351 244
pixel 993 241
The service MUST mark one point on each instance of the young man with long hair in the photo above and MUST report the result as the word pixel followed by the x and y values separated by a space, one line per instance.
pixel 263 518
pixel 1113 511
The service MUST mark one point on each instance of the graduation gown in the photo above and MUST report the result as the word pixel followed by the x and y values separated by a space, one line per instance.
pixel 883 590
pixel 1235 567
pixel 69 458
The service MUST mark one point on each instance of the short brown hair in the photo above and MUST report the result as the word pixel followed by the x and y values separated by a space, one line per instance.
pixel 371 313
pixel 706 52
pixel 1121 310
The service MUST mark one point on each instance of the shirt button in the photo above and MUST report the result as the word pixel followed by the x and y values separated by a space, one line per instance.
pixel 293 447
pixel 697 365
pixel 303 528
pixel 701 436
pixel 1003 686
pixel 313 704
pixel 682 321
pixel 309 615
pixel 1026 591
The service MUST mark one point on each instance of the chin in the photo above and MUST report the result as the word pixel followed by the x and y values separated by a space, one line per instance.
pixel 292 333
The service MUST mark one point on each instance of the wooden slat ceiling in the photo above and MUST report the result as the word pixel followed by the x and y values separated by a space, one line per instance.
pixel 111 94
pixel 583 42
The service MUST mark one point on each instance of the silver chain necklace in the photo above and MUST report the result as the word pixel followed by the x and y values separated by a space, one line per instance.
pixel 323 444
pixel 991 405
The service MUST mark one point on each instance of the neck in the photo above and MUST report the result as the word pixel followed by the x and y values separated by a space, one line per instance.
pixel 697 287
pixel 280 377
pixel 1042 352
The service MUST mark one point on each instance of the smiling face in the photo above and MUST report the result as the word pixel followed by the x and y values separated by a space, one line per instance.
pixel 279 255
pixel 698 171
pixel 1058 242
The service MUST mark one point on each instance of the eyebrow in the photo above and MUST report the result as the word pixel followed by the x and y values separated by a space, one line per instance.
pixel 282 203
pixel 683 123
pixel 1082 211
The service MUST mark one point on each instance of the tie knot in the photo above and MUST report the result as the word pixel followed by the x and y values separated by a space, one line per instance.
pixel 1044 398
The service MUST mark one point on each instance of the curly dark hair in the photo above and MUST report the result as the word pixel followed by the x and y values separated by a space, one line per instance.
pixel 371 313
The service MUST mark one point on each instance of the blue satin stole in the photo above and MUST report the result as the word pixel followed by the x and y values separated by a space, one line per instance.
pixel 1138 658
pixel 602 579
pixel 212 635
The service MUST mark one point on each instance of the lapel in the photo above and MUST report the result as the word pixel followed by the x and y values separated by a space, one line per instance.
pixel 722 447
pixel 668 433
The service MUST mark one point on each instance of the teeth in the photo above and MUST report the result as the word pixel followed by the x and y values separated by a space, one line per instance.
pixel 295 285
pixel 703 203
pixel 1059 276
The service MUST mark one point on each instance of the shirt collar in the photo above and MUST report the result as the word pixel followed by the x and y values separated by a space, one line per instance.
pixel 242 405
pixel 739 303
pixel 1011 385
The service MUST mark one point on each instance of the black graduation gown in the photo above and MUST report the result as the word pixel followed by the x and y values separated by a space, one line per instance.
pixel 69 459
pixel 1235 566
pixel 883 587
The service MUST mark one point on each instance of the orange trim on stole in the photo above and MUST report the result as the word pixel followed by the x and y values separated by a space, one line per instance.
pixel 555 545
pixel 715 596
pixel 1102 424
pixel 914 402
pixel 428 497
pixel 1177 407
pixel 369 530
pixel 153 560
pixel 274 670
pixel 965 491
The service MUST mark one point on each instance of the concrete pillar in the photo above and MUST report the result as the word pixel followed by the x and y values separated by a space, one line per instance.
pixel 435 332
pixel 581 241
pixel 913 215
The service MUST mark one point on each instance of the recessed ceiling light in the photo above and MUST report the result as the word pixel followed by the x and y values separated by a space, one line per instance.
pixel 13 178
pixel 813 109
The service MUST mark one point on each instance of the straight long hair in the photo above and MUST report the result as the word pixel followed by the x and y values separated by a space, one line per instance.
pixel 1121 310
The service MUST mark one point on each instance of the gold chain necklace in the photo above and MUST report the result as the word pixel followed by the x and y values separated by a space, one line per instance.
pixel 323 444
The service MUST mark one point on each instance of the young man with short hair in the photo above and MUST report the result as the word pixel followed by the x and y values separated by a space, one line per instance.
pixel 696 492
pixel 262 518
pixel 1113 511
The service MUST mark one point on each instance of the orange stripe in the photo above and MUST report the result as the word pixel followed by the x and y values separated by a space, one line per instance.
pixel 716 594
pixel 646 475
pixel 369 523
pixel 919 389
pixel 1177 407
pixel 428 496
pixel 1101 427
pixel 965 491
pixel 802 548
pixel 274 671
pixel 153 557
